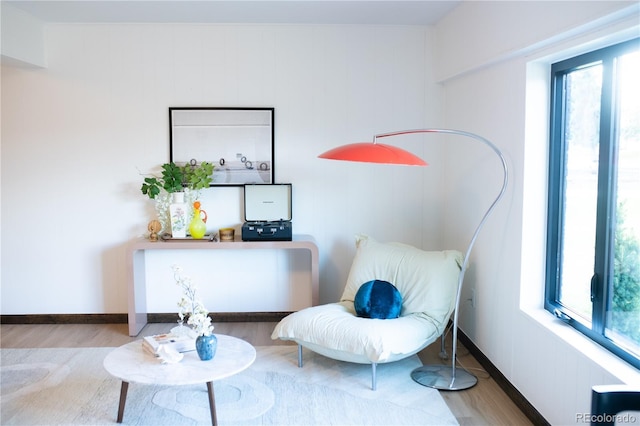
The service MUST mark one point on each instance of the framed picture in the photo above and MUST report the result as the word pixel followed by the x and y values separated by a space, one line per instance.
pixel 237 141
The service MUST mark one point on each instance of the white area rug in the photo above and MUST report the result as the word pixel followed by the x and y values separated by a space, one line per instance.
pixel 70 386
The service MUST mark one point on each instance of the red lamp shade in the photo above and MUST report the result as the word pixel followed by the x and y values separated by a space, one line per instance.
pixel 368 152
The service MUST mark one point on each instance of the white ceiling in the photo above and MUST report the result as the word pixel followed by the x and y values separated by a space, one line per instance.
pixel 413 12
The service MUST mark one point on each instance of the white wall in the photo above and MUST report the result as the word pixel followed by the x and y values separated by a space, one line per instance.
pixel 77 134
pixel 494 84
pixel 22 37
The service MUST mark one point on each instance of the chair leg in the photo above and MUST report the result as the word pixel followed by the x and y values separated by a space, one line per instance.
pixel 443 350
pixel 374 379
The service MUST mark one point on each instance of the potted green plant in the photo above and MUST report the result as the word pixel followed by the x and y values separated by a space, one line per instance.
pixel 177 185
pixel 175 178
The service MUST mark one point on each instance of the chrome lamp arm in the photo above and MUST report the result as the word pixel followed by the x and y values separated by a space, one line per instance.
pixel 437 376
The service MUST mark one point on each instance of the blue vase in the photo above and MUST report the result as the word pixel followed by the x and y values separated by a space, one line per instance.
pixel 206 346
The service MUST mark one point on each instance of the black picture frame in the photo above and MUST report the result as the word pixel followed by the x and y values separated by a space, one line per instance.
pixel 238 141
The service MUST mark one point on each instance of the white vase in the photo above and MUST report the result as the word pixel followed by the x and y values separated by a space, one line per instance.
pixel 178 215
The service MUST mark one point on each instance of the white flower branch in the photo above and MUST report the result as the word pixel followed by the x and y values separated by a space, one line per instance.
pixel 191 305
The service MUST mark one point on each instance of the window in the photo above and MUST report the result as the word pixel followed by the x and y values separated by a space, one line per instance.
pixel 593 224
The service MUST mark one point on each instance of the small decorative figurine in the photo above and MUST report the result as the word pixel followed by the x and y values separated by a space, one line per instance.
pixel 154 227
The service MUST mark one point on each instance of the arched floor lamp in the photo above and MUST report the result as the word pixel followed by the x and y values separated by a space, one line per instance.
pixel 435 376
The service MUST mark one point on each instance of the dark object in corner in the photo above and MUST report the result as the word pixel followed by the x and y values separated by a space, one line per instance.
pixel 609 400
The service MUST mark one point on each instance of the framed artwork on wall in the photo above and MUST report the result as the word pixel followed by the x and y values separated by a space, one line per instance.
pixel 239 142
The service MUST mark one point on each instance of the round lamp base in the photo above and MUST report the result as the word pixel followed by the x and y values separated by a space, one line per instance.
pixel 440 377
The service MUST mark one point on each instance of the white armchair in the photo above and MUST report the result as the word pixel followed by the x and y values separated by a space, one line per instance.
pixel 427 282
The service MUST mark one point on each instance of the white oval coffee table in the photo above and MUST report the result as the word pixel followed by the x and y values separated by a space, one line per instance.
pixel 132 364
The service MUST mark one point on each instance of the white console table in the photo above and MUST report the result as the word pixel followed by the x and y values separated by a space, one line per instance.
pixel 137 286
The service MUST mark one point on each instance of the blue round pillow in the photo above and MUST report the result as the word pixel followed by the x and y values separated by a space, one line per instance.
pixel 378 299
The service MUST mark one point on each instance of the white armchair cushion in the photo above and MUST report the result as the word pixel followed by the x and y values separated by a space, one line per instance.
pixel 335 331
pixel 427 282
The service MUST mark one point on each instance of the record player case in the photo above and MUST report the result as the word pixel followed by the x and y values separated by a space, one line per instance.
pixel 267 212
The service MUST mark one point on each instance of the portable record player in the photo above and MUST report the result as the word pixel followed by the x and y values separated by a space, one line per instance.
pixel 267 212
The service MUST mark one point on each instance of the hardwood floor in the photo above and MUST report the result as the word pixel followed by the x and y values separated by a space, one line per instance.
pixel 484 404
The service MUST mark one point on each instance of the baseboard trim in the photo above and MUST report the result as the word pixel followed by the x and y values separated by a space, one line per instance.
pixel 64 319
pixel 511 391
pixel 225 317
pixel 123 318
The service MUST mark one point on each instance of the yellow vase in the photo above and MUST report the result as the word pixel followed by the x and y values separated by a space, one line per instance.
pixel 198 226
